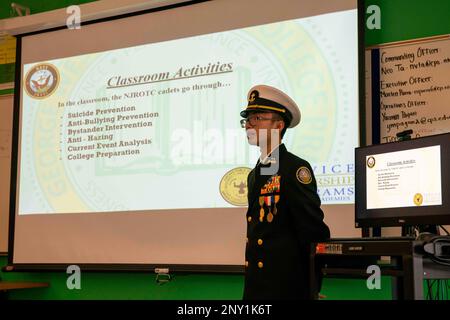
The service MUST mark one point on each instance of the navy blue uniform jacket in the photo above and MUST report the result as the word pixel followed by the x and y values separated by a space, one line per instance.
pixel 277 248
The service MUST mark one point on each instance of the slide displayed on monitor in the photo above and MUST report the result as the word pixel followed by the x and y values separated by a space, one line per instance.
pixel 404 178
pixel 156 126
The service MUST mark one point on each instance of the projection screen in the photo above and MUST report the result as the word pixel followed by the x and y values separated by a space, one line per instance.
pixel 130 150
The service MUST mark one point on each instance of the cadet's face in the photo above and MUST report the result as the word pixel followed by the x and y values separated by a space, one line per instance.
pixel 259 126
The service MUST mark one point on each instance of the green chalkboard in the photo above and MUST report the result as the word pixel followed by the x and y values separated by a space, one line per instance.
pixel 7 73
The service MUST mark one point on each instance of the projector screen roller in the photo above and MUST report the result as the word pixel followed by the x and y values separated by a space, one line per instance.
pixel 130 147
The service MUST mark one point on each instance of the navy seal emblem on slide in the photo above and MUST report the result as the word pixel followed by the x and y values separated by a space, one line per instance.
pixel 42 80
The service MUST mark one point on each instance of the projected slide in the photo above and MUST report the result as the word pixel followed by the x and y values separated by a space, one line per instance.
pixel 404 178
pixel 156 126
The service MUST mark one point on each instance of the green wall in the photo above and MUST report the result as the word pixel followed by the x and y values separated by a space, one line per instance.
pixel 143 286
pixel 400 20
pixel 409 19
pixel 127 285
pixel 35 7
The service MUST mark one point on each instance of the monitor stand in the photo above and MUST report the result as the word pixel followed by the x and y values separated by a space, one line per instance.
pixel 410 231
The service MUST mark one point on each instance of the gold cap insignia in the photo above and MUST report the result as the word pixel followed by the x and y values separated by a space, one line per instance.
pixel 253 96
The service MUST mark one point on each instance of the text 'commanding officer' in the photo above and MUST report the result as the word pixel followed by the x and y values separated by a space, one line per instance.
pixel 284 214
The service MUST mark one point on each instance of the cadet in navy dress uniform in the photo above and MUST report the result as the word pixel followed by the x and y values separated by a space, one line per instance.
pixel 284 214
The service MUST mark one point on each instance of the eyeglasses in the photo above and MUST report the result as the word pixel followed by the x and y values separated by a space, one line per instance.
pixel 253 120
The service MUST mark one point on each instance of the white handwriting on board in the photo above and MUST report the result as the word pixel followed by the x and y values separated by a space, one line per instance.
pixel 413 89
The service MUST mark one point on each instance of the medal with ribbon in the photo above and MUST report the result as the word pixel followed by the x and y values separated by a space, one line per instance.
pixel 268 201
pixel 272 187
pixel 276 199
pixel 261 211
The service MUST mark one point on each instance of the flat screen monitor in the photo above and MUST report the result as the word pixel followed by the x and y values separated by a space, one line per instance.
pixel 403 183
